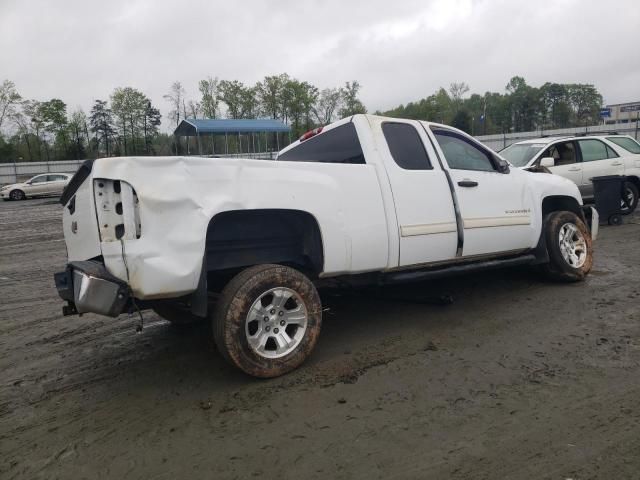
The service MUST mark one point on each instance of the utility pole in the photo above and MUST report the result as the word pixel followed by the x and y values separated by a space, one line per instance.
pixel 484 117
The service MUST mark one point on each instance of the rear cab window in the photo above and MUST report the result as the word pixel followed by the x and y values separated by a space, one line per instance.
pixel 629 144
pixel 338 145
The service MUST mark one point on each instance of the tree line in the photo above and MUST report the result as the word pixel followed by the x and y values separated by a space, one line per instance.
pixel 520 108
pixel 127 123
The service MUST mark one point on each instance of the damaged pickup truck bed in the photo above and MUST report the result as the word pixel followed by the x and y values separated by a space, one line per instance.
pixel 245 243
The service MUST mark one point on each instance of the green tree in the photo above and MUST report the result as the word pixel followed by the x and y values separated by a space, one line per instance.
pixel 101 121
pixel 556 107
pixel 462 121
pixel 351 103
pixel 151 121
pixel 54 115
pixel 129 107
pixel 525 104
pixel 241 101
pixel 269 93
pixel 586 103
pixel 77 126
pixel 209 100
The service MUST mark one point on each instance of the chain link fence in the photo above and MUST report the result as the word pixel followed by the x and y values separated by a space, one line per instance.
pixel 499 141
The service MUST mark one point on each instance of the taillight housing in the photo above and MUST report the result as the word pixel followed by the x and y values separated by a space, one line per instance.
pixel 117 208
pixel 310 133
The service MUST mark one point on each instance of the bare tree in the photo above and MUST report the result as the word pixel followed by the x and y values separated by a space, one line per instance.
pixel 9 98
pixel 457 91
pixel 326 105
pixel 176 98
pixel 194 108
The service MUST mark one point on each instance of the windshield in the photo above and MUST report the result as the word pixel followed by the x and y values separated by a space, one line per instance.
pixel 519 154
pixel 627 143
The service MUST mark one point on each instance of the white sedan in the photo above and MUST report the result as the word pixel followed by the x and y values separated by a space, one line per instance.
pixel 44 185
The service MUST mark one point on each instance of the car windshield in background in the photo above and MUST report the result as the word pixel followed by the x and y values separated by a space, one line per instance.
pixel 629 144
pixel 519 154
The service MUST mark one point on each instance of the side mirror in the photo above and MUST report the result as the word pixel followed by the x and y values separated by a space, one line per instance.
pixel 548 162
pixel 503 166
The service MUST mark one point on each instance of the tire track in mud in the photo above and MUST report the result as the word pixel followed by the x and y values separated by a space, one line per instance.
pixel 493 386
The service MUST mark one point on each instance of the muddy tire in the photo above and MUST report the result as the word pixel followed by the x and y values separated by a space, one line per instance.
pixel 176 315
pixel 267 320
pixel 630 201
pixel 569 246
pixel 17 195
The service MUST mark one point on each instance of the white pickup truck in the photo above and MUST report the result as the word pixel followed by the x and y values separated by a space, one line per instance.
pixel 245 243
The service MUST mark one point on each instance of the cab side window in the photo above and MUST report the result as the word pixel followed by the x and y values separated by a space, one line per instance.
pixel 40 179
pixel 593 150
pixel 462 154
pixel 406 146
pixel 562 153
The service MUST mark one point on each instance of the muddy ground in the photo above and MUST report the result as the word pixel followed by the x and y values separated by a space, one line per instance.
pixel 516 379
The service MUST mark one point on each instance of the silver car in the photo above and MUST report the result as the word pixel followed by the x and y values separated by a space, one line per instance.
pixel 47 184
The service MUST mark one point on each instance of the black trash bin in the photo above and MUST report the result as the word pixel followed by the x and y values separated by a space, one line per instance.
pixel 607 192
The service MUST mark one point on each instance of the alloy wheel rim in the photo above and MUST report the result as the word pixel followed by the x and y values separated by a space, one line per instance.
pixel 627 201
pixel 573 245
pixel 276 323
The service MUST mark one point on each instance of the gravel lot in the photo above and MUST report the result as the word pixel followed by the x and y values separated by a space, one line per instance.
pixel 515 379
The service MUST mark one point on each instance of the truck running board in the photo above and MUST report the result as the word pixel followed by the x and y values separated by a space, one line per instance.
pixel 449 271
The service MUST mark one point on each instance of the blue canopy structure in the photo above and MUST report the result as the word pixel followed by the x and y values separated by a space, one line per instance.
pixel 192 127
pixel 242 136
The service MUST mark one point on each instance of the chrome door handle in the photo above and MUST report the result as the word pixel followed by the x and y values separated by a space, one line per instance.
pixel 574 169
pixel 616 164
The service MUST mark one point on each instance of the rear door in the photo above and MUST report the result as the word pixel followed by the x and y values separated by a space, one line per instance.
pixel 598 159
pixel 37 186
pixel 497 208
pixel 421 194
pixel 56 184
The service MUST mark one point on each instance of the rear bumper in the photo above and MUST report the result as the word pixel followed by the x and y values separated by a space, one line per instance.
pixel 88 287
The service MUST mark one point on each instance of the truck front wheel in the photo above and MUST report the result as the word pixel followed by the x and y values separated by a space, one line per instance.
pixel 569 247
pixel 267 320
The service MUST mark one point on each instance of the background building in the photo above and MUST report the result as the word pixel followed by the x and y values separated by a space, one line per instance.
pixel 621 112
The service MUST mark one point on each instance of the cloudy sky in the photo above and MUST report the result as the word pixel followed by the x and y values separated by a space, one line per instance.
pixel 399 50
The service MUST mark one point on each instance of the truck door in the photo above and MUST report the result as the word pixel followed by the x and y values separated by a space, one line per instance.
pixel 497 207
pixel 421 194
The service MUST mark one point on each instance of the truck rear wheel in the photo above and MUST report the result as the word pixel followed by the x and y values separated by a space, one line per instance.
pixel 569 247
pixel 267 320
